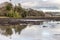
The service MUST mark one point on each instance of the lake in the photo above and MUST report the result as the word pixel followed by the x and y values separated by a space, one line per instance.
pixel 48 30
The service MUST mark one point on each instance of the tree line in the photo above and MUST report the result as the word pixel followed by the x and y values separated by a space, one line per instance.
pixel 18 12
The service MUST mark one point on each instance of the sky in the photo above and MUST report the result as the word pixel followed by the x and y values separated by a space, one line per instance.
pixel 37 4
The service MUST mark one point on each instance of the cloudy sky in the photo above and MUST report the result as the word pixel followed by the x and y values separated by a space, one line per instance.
pixel 37 4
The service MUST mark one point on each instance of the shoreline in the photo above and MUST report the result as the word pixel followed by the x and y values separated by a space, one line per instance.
pixel 15 21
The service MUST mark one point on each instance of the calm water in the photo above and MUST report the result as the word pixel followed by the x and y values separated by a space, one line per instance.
pixel 49 30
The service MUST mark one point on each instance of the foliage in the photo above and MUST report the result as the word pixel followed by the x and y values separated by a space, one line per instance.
pixel 13 14
pixel 16 15
pixel 9 6
pixel 32 12
pixel 24 14
pixel 18 12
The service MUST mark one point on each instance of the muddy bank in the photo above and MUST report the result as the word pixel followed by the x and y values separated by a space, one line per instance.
pixel 14 21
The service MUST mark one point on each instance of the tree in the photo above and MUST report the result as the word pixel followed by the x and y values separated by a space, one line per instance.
pixel 41 13
pixel 16 15
pixel 24 14
pixel 8 7
pixel 32 12
pixel 13 14
pixel 18 8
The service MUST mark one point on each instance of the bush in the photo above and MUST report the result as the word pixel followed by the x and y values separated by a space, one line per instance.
pixel 16 15
pixel 24 14
pixel 8 6
pixel 13 14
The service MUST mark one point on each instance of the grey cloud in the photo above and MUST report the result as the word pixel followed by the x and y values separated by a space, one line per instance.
pixel 43 4
pixel 49 4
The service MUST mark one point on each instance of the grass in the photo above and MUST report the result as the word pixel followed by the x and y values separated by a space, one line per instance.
pixel 3 17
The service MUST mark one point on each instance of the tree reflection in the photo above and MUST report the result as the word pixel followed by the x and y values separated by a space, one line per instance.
pixel 7 30
pixel 18 28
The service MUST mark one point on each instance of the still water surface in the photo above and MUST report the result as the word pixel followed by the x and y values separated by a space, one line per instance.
pixel 47 31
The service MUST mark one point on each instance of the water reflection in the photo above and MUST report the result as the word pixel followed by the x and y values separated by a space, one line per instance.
pixel 47 31
pixel 7 30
